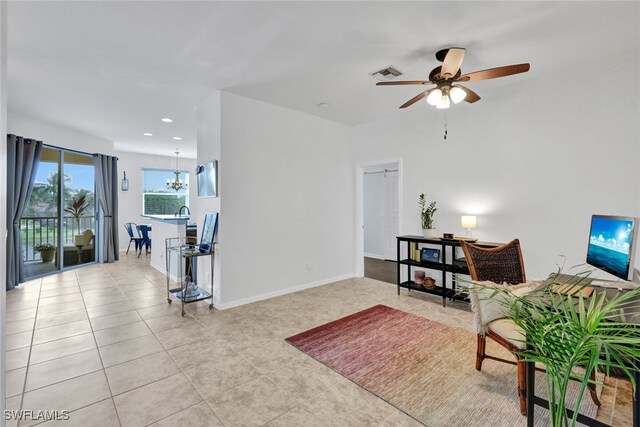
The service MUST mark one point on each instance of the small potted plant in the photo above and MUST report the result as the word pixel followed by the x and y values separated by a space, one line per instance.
pixel 426 214
pixel 46 251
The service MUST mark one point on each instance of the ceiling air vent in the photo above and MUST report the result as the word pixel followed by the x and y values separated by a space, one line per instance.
pixel 386 74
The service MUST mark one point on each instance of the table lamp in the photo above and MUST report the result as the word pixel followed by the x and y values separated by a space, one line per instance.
pixel 468 222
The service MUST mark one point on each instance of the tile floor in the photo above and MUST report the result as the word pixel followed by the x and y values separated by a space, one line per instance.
pixel 103 343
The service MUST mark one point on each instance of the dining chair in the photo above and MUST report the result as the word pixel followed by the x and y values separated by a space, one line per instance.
pixel 145 240
pixel 130 226
pixel 503 267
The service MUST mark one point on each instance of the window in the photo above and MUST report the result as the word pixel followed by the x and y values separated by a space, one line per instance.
pixel 156 198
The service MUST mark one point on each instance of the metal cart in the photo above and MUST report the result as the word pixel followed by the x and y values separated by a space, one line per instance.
pixel 186 256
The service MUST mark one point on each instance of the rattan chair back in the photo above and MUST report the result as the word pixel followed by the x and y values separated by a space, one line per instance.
pixel 502 264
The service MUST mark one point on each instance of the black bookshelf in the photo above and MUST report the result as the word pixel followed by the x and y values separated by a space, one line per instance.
pixel 456 265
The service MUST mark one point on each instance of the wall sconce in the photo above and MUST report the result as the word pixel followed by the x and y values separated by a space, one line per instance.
pixel 468 222
pixel 125 183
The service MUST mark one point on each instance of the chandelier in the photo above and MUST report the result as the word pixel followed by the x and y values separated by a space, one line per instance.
pixel 177 184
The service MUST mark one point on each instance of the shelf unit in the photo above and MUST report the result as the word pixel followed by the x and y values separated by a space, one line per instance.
pixel 455 266
pixel 187 255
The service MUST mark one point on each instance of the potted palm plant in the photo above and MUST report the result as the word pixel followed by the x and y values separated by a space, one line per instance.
pixel 426 215
pixel 76 207
pixel 46 251
pixel 573 334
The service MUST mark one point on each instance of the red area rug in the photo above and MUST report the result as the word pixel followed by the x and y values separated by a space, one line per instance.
pixel 424 368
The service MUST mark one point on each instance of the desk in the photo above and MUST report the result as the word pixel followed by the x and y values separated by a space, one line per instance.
pixel 532 399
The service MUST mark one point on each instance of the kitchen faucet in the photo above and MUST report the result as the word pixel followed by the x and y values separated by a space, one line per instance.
pixel 184 207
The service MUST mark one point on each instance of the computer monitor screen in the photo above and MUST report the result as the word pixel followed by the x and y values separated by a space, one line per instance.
pixel 611 244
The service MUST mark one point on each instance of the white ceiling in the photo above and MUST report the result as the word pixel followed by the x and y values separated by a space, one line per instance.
pixel 113 69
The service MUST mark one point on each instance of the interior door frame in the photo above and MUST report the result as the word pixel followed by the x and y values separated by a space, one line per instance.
pixel 359 211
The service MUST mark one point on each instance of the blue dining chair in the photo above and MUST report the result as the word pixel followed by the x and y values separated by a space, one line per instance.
pixel 130 226
pixel 143 231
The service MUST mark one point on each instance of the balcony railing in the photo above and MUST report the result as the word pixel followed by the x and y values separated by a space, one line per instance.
pixel 36 230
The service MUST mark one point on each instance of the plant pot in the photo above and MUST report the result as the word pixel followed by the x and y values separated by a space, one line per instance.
pixel 47 256
pixel 429 233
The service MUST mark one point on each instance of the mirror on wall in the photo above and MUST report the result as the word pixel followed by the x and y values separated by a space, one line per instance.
pixel 207 175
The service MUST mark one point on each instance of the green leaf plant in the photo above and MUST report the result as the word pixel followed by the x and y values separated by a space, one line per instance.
pixel 426 212
pixel 565 332
pixel 76 207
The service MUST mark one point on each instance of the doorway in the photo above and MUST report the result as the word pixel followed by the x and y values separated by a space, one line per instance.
pixel 58 226
pixel 380 219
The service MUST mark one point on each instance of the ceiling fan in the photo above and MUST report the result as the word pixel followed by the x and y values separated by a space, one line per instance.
pixel 447 77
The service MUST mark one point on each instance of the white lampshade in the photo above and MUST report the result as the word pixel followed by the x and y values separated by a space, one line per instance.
pixel 468 221
pixel 457 94
pixel 444 102
pixel 434 97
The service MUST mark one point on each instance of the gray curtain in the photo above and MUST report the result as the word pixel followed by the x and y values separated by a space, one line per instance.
pixel 107 188
pixel 23 157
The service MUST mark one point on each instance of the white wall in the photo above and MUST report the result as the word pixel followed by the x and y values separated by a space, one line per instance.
pixel 374 200
pixel 130 202
pixel 57 135
pixel 209 149
pixel 3 197
pixel 532 160
pixel 287 197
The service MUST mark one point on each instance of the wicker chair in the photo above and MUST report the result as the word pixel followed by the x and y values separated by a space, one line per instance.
pixel 503 265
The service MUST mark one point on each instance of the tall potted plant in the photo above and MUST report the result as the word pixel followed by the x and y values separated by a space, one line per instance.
pixel 76 207
pixel 565 332
pixel 426 215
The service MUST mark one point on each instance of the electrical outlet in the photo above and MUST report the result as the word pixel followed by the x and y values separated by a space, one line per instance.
pixel 306 268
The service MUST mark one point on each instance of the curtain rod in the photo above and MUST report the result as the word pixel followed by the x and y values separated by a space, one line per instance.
pixel 384 171
pixel 73 151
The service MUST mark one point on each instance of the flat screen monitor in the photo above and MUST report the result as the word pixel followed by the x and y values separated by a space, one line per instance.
pixel 207 176
pixel 612 244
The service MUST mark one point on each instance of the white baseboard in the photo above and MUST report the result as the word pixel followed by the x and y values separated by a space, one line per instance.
pixel 280 292
pixel 162 270
pixel 376 256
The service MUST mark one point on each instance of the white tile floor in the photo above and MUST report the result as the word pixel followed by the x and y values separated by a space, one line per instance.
pixel 103 343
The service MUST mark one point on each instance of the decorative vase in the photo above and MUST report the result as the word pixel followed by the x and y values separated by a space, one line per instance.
pixel 429 233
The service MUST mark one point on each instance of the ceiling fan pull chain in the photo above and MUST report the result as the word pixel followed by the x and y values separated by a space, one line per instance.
pixel 445 126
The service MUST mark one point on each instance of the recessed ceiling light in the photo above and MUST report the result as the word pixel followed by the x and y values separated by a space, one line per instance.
pixel 177 138
pixel 323 105
pixel 166 120
pixel 147 134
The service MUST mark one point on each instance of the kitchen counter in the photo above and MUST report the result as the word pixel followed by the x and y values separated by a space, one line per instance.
pixel 171 218
pixel 164 227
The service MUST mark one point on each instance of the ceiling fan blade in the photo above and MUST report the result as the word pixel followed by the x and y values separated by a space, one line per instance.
pixel 452 62
pixel 494 73
pixel 471 95
pixel 405 82
pixel 416 98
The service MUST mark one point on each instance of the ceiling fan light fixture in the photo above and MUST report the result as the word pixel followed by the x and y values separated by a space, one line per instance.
pixel 435 97
pixel 444 103
pixel 457 94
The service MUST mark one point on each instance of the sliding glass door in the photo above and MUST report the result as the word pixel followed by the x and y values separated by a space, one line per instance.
pixel 78 213
pixel 58 226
